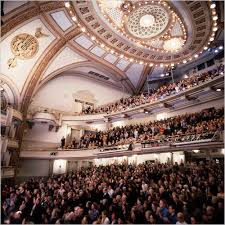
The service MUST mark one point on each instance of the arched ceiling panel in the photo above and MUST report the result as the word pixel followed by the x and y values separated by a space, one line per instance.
pixel 64 58
pixel 24 45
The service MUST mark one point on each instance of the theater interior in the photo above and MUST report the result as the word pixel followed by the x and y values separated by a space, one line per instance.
pixel 112 112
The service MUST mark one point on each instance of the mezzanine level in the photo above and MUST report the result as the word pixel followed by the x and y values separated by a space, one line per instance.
pixel 121 150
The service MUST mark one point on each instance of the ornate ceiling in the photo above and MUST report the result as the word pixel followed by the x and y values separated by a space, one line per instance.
pixel 148 32
pixel 122 41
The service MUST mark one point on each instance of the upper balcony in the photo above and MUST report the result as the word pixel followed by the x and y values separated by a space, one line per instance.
pixel 7 172
pixel 10 114
pixel 205 92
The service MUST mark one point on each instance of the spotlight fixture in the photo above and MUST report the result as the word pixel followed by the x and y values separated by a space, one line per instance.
pixel 218 89
pixel 221 47
pixel 196 151
pixel 67 4
pixel 146 111
pixel 216 51
pixel 162 75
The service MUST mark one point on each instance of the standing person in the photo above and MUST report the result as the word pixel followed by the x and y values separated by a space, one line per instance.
pixel 74 142
pixel 63 141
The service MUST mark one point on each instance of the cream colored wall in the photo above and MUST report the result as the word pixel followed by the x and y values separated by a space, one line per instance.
pixel 58 93
pixel 40 133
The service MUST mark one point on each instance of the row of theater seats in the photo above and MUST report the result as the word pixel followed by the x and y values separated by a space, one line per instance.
pixel 160 93
pixel 148 193
pixel 183 128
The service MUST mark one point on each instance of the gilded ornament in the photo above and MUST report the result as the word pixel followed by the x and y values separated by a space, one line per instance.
pixel 25 46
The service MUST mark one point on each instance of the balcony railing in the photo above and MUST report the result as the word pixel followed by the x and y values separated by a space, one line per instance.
pixel 17 114
pixel 7 172
pixel 13 143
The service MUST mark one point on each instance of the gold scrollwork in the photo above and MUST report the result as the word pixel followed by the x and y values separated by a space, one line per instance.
pixel 25 46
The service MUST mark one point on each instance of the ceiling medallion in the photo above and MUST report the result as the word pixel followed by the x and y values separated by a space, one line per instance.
pixel 118 14
pixel 25 46
pixel 148 23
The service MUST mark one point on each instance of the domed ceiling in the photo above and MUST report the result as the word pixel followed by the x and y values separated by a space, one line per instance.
pixel 148 32
pixel 113 42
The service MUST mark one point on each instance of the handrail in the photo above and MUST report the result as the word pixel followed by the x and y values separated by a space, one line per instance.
pixel 170 140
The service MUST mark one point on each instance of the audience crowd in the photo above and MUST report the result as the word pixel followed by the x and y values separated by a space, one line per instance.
pixel 158 94
pixel 148 193
pixel 207 121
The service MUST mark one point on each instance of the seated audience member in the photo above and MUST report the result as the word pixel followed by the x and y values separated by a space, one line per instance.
pixel 151 193
pixel 156 94
pixel 188 127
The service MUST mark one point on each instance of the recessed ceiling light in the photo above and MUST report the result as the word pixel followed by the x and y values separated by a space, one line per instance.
pixel 211 39
pixel 67 4
pixel 215 28
pixel 83 29
pixel 93 38
pixel 185 76
pixel 216 51
pixel 213 5
pixel 218 89
pixel 74 18
pixel 205 48
pixel 162 75
pixel 221 47
pixel 215 18
pixel 196 56
pixel 196 151
pixel 184 61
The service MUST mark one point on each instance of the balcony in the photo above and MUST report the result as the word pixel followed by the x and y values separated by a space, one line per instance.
pixel 121 150
pixel 3 118
pixel 17 114
pixel 7 172
pixel 13 143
